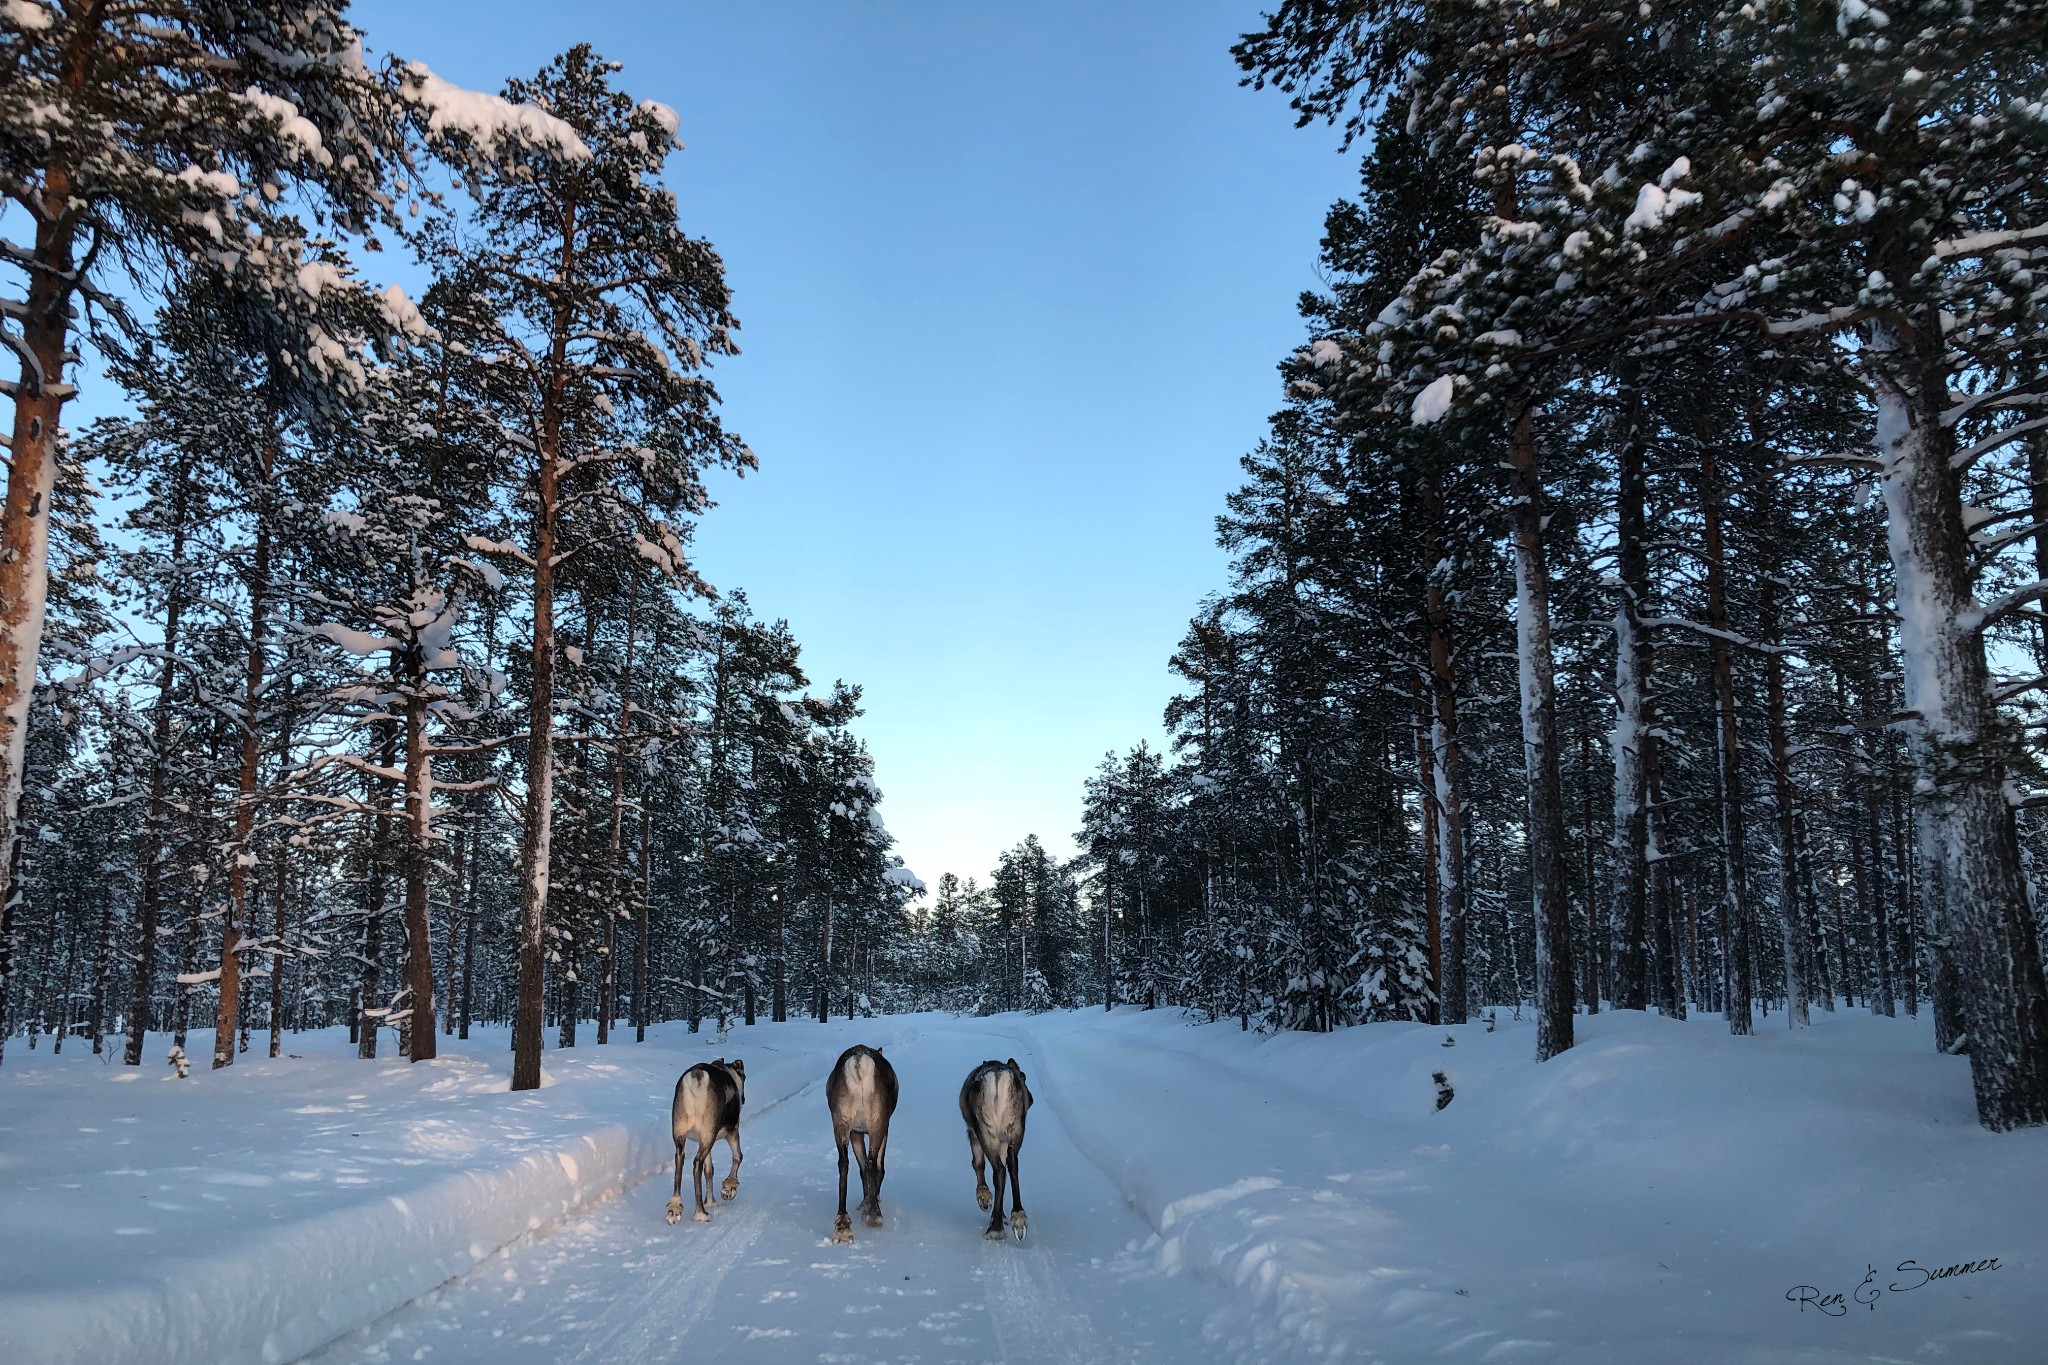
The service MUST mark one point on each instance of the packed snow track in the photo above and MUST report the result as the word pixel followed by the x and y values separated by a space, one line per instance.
pixel 762 1282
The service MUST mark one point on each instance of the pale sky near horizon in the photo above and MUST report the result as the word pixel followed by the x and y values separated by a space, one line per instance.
pixel 1013 280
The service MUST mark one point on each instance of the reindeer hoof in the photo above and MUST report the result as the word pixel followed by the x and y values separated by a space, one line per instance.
pixel 873 1218
pixel 995 1231
pixel 842 1230
pixel 700 1216
pixel 730 1188
pixel 983 1197
pixel 1018 1223
pixel 675 1212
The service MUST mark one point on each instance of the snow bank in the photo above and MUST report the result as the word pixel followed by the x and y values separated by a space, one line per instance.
pixel 253 1215
pixel 287 1290
pixel 1654 1194
pixel 1661 1192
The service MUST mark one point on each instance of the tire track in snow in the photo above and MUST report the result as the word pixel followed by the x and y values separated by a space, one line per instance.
pixel 653 1321
pixel 762 1285
pixel 1033 1315
pixel 1280 1317
pixel 1034 1318
pixel 677 1296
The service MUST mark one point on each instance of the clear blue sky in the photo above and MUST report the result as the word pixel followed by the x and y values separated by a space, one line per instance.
pixel 1013 280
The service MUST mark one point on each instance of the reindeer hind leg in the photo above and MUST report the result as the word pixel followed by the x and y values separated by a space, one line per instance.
pixel 982 1196
pixel 842 1227
pixel 1017 1220
pixel 675 1203
pixel 995 1232
pixel 731 1186
pixel 878 1152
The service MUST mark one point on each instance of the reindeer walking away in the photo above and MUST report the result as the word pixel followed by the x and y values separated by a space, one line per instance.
pixel 994 1101
pixel 707 1108
pixel 862 1096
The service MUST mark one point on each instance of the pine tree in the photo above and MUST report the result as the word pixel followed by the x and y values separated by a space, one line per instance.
pixel 604 311
pixel 182 143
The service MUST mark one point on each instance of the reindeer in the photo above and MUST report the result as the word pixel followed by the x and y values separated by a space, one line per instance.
pixel 994 1101
pixel 707 1108
pixel 862 1094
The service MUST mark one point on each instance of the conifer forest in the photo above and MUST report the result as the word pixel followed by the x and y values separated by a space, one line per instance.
pixel 1637 601
pixel 1635 604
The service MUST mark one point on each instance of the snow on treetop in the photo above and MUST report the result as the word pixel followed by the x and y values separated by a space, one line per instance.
pixel 317 277
pixel 29 15
pixel 668 119
pixel 495 123
pixel 356 642
pixel 1325 352
pixel 903 876
pixel 299 131
pixel 1433 402
pixel 399 311
pixel 221 183
pixel 1654 205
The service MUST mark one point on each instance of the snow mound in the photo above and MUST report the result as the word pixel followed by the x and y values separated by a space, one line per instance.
pixel 253 1215
pixel 1655 1193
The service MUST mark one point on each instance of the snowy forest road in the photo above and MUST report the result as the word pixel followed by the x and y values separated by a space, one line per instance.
pixel 1662 1192
pixel 762 1282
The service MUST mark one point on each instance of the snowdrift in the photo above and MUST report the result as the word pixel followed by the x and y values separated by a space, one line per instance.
pixel 1655 1194
pixel 255 1214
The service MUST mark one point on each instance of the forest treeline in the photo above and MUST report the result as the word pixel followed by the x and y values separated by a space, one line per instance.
pixel 1637 603
pixel 358 673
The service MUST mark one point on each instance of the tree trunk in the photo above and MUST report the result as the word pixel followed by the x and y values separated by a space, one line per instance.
pixel 1448 758
pixel 825 964
pixel 39 400
pixel 1586 845
pixel 1736 988
pixel 244 853
pixel 1845 977
pixel 1884 999
pixel 277 955
pixel 1990 925
pixel 1906 901
pixel 470 913
pixel 1108 942
pixel 642 1002
pixel 102 973
pixel 419 831
pixel 1551 904
pixel 451 938
pixel 1792 938
pixel 537 833
pixel 7 917
pixel 1430 820
pixel 373 920
pixel 608 989
pixel 1821 976
pixel 1779 739
pixel 1634 735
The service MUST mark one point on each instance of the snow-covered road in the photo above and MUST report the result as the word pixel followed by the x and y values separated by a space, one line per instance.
pixel 763 1281
pixel 1662 1192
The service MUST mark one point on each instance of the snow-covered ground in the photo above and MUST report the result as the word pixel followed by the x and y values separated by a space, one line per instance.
pixel 1195 1194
